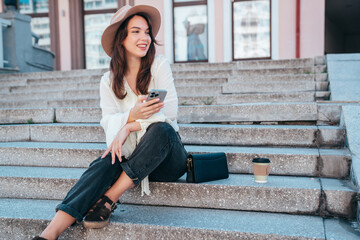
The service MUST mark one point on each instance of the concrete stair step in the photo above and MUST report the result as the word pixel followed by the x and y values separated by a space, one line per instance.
pixel 251 72
pixel 47 92
pixel 225 99
pixel 256 64
pixel 180 82
pixel 322 86
pixel 332 163
pixel 253 112
pixel 51 95
pixel 263 87
pixel 53 74
pixel 204 134
pixel 35 88
pixel 270 78
pixel 76 100
pixel 300 195
pixel 139 222
pixel 44 103
pixel 323 95
pixel 256 112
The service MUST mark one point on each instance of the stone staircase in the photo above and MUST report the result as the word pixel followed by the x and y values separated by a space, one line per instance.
pixel 50 133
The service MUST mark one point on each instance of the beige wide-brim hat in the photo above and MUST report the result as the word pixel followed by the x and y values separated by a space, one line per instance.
pixel 108 36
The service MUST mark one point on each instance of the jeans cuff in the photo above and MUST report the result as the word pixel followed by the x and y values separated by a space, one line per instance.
pixel 130 173
pixel 69 210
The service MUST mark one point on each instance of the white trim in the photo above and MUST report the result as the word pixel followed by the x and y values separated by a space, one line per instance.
pixel 227 31
pixel 168 30
pixel 211 30
pixel 274 29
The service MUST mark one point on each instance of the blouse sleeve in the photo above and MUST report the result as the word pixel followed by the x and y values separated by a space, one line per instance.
pixel 163 78
pixel 112 120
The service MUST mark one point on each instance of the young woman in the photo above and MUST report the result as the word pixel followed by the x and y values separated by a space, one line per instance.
pixel 141 135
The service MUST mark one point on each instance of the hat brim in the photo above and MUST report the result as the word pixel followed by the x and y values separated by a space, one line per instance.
pixel 108 36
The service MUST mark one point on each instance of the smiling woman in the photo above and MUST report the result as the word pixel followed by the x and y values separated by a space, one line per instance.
pixel 142 138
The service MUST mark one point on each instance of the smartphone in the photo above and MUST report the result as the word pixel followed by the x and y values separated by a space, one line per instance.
pixel 156 93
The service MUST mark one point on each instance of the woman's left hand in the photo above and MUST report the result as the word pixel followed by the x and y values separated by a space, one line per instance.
pixel 116 145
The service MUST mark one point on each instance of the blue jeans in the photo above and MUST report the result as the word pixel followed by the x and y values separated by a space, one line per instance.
pixel 160 155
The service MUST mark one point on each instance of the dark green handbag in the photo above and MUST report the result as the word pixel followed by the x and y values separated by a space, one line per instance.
pixel 206 167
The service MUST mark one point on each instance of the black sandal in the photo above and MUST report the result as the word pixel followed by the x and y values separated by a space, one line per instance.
pixel 99 215
pixel 39 238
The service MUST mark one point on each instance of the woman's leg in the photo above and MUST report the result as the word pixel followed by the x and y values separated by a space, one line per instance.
pixel 58 224
pixel 93 183
pixel 119 187
pixel 159 155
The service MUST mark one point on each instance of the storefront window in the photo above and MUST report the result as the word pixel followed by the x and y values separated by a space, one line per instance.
pixel 251 29
pixel 40 24
pixel 190 31
pixel 99 4
pixel 97 16
pixel 94 26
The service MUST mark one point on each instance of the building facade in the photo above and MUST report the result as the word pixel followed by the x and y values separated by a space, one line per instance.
pixel 193 30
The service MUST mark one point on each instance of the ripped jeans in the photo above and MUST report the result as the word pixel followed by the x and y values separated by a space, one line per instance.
pixel 160 155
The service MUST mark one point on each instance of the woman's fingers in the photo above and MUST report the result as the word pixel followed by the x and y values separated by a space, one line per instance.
pixel 106 152
pixel 113 157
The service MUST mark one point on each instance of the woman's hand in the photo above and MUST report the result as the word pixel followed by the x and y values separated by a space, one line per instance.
pixel 143 109
pixel 115 147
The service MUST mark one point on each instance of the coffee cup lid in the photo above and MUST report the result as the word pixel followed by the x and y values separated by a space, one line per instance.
pixel 261 160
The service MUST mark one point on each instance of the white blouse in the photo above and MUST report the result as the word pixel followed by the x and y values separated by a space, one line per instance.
pixel 115 112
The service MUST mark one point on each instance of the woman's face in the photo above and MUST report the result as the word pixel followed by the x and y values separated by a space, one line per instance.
pixel 138 38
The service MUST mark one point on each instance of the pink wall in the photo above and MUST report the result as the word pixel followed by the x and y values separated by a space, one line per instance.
pixel 287 29
pixel 64 26
pixel 312 28
pixel 219 31
pixel 159 4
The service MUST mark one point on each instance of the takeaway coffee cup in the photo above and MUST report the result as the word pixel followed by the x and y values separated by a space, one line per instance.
pixel 261 168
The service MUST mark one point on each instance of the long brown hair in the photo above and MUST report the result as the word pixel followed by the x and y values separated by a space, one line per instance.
pixel 118 63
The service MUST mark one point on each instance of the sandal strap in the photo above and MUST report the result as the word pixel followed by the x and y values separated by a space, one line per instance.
pixel 105 199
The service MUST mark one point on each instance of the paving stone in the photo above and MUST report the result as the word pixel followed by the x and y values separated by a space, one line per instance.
pixel 14 133
pixel 321 77
pixel 322 86
pixel 25 115
pixel 339 197
pixel 335 163
pixel 320 69
pixel 329 114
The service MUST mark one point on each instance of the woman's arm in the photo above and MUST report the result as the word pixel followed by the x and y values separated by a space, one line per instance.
pixel 121 136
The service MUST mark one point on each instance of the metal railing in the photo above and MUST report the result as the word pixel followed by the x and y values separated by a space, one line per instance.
pixel 3 23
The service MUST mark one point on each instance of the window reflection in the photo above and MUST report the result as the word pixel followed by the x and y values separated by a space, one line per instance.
pixel 40 26
pixel 33 6
pixel 190 24
pixel 94 27
pixel 99 4
pixel 251 29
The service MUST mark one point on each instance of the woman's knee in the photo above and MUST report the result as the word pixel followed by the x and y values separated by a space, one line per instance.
pixel 105 164
pixel 162 130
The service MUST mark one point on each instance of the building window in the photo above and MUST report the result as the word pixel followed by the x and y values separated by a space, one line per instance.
pixel 38 10
pixel 251 29
pixel 190 31
pixel 97 16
